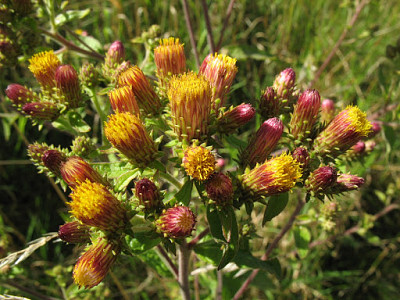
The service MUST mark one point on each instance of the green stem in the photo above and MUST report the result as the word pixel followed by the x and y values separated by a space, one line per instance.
pixel 171 179
pixel 103 116
pixel 183 270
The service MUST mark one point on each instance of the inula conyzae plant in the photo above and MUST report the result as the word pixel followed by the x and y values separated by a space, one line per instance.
pixel 156 177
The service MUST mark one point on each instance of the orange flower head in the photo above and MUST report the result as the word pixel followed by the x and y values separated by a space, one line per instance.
pixel 44 65
pixel 123 99
pixel 199 162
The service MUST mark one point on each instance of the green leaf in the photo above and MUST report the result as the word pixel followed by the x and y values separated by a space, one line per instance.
pixel 123 181
pixel 275 205
pixel 215 224
pixel 209 251
pixel 235 142
pixel 302 238
pixel 70 15
pixel 245 258
pixel 152 259
pixel 77 122
pixel 142 242
pixel 185 193
pixel 228 254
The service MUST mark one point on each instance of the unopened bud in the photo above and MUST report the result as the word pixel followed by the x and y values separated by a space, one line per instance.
pixel 147 193
pixel 176 222
pixel 284 83
pixel 20 95
pixel 321 179
pixel 376 128
pixel 115 54
pixel 263 143
pixel 235 117
pixel 269 103
pixel 219 188
pixel 327 110
pixel 68 84
pixel 74 232
pixel 44 111
pixel 52 159
pixel 301 155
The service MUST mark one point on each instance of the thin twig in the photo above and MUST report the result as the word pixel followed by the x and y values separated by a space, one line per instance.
pixel 228 15
pixel 270 248
pixel 70 45
pixel 196 239
pixel 218 293
pixel 120 288
pixel 190 30
pixel 339 42
pixel 210 37
pixel 27 290
pixel 168 261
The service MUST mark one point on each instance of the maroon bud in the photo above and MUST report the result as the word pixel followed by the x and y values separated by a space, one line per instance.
pixel 147 193
pixel 115 54
pixel 176 222
pixel 52 160
pixel 74 232
pixel 46 111
pixel 376 128
pixel 358 148
pixel 301 155
pixel 68 83
pixel 219 188
pixel 284 83
pixel 347 182
pixel 263 143
pixel 305 114
pixel 20 95
pixel 327 110
pixel 269 103
pixel 235 117
pixel 321 179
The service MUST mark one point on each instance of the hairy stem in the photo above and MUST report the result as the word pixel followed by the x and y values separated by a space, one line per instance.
pixel 167 260
pixel 183 278
pixel 271 247
pixel 202 234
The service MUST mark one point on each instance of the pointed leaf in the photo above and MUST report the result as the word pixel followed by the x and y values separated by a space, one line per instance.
pixel 276 204
pixel 302 237
pixel 215 224
pixel 245 258
pixel 185 193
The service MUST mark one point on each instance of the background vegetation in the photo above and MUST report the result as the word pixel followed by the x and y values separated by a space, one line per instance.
pixel 357 258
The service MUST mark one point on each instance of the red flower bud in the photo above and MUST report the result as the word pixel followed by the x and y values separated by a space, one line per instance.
pixel 284 83
pixel 176 222
pixel 219 188
pixel 269 103
pixel 20 95
pixel 147 193
pixel 74 232
pixel 321 179
pixel 327 110
pixel 235 117
pixel 68 84
pixel 301 155
pixel 263 143
pixel 46 111
pixel 52 159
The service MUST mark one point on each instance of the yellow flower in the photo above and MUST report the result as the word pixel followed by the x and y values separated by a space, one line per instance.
pixel 94 205
pixel 277 175
pixel 190 100
pixel 127 133
pixel 344 131
pixel 144 93
pixel 220 70
pixel 199 162
pixel 93 265
pixel 123 100
pixel 44 65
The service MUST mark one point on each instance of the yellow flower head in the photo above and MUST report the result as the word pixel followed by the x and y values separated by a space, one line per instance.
pixel 220 70
pixel 169 57
pixel 344 131
pixel 127 133
pixel 93 265
pixel 44 65
pixel 144 93
pixel 199 162
pixel 123 100
pixel 94 205
pixel 190 100
pixel 277 175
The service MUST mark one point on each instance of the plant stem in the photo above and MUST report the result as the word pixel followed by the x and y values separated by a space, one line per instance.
pixel 171 179
pixel 71 46
pixel 190 30
pixel 202 234
pixel 210 38
pixel 183 278
pixel 103 116
pixel 271 247
pixel 339 42
pixel 168 261
pixel 228 15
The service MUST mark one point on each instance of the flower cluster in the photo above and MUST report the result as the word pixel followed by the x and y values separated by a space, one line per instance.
pixel 165 140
